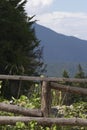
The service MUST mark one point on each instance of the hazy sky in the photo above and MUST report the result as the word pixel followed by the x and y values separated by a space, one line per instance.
pixel 63 16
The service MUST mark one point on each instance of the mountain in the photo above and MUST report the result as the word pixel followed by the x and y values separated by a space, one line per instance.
pixel 59 48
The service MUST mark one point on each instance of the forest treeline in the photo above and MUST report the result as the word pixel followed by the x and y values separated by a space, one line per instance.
pixel 68 98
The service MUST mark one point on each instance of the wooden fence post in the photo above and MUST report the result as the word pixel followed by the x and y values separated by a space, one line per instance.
pixel 46 99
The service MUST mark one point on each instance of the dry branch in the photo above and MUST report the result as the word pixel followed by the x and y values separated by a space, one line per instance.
pixel 20 110
pixel 44 121
pixel 65 88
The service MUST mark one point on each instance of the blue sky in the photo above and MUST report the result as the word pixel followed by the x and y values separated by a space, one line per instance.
pixel 70 5
pixel 68 17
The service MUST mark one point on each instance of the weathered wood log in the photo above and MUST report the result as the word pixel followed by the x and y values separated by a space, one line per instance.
pixel 20 110
pixel 31 78
pixel 67 88
pixel 44 121
pixel 46 99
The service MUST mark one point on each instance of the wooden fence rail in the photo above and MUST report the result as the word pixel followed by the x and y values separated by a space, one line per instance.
pixel 44 121
pixel 67 88
pixel 48 79
pixel 41 116
pixel 46 99
pixel 20 110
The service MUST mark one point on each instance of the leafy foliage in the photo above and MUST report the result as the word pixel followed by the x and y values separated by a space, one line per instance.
pixel 75 110
pixel 78 109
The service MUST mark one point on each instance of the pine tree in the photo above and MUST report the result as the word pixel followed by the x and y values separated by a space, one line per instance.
pixel 20 51
pixel 80 74
pixel 66 95
pixel 65 74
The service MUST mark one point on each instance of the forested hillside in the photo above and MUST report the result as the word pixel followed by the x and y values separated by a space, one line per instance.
pixel 61 52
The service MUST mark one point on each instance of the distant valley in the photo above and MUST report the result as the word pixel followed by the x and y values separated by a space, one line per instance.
pixel 60 50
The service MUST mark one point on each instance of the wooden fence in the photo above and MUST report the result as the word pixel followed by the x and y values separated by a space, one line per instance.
pixel 42 115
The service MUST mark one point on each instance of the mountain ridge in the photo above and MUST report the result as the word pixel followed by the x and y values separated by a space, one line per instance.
pixel 61 52
pixel 59 47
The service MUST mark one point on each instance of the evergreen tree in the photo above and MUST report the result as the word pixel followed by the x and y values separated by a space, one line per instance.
pixel 20 51
pixel 65 74
pixel 66 95
pixel 80 74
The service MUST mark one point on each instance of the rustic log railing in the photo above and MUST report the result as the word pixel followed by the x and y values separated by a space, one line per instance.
pixel 48 83
pixel 20 110
pixel 44 121
pixel 72 89
pixel 31 78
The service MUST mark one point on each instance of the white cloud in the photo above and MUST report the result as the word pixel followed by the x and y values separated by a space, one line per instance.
pixel 37 6
pixel 74 24
pixel 36 3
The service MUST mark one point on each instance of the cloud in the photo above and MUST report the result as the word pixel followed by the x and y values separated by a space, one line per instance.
pixel 68 23
pixel 37 6
pixel 36 3
pixel 74 24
